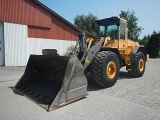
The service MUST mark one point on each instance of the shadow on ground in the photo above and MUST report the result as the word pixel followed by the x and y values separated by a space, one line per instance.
pixel 124 75
pixel 93 87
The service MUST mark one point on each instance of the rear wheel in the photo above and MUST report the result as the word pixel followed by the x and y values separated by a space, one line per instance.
pixel 138 66
pixel 105 68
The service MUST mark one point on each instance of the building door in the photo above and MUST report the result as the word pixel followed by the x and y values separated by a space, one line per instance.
pixel 2 57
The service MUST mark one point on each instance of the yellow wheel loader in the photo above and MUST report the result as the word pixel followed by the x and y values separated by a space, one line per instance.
pixel 52 81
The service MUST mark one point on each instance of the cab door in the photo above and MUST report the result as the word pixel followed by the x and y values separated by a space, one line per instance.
pixel 123 40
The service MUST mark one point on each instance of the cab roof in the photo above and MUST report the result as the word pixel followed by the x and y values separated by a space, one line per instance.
pixel 111 20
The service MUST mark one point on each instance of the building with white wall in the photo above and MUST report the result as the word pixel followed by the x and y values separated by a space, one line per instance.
pixel 27 27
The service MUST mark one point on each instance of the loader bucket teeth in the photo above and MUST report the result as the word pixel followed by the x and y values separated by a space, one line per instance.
pixel 52 81
pixel 31 92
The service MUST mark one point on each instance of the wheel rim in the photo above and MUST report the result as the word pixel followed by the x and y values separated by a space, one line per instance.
pixel 111 69
pixel 141 65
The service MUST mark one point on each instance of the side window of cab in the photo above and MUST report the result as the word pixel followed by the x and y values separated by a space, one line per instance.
pixel 122 30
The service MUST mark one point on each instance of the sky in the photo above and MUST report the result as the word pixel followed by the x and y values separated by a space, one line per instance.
pixel 147 11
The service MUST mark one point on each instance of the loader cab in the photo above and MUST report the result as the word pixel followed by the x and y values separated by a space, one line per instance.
pixel 114 27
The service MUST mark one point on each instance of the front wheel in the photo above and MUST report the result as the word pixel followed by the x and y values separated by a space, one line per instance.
pixel 105 68
pixel 138 66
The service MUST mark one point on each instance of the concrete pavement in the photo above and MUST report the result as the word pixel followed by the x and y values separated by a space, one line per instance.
pixel 129 98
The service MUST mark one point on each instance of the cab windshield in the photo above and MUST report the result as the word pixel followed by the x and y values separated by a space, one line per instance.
pixel 110 31
pixel 108 27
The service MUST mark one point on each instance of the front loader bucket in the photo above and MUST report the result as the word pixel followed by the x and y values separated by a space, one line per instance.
pixel 53 81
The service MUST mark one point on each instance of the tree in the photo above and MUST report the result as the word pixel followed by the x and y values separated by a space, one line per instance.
pixel 86 22
pixel 134 29
pixel 144 40
pixel 153 45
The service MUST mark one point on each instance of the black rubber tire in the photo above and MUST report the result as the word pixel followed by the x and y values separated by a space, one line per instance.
pixel 135 70
pixel 98 68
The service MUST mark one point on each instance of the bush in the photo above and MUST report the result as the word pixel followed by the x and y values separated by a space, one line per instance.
pixel 153 45
pixel 69 50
